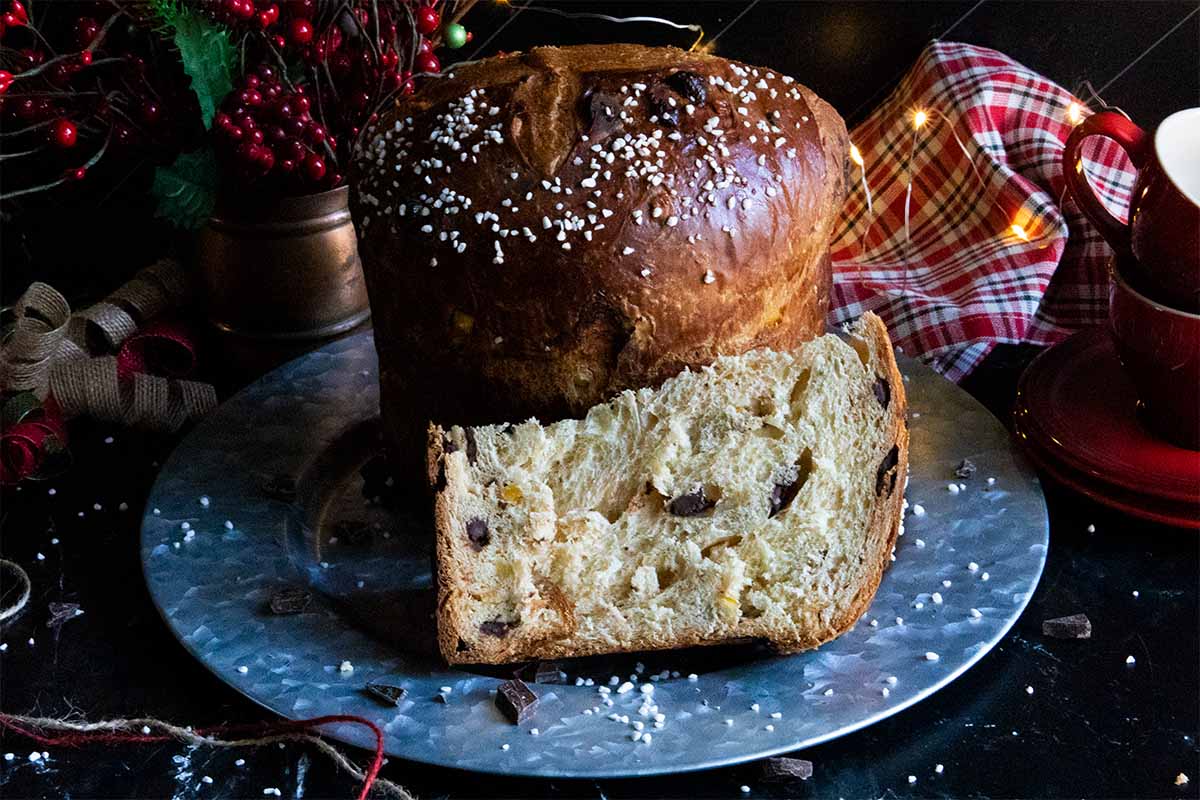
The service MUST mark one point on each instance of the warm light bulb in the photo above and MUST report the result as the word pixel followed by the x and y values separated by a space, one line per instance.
pixel 920 118
pixel 855 155
pixel 1019 232
pixel 1075 113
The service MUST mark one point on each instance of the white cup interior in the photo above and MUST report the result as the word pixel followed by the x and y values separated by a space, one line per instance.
pixel 1177 143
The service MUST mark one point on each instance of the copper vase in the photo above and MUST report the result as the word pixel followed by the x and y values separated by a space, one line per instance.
pixel 281 277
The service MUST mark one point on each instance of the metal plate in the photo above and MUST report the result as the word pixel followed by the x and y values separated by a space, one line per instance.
pixel 316 419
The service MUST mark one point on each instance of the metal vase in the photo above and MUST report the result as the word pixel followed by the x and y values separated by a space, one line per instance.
pixel 279 278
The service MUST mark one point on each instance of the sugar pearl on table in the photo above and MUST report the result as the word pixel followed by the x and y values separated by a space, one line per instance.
pixel 345 668
pixel 728 722
pixel 625 688
pixel 918 510
pixel 939 769
pixel 204 501
pixel 776 715
pixel 9 756
pixel 206 779
pixel 892 680
pixel 768 728
pixel 931 656
pixel 874 623
pixel 647 738
pixel 828 692
pixel 241 762
pixel 243 669
pixel 41 557
pixel 31 643
pixel 985 577
pixel 1091 528
pixel 145 729
pixel 976 613
pixel 946 584
pixel 754 707
pixel 920 542
pixel 952 488
pixel 744 789
pixel 937 598
pixel 973 567
pixel 693 677
pixel 1128 659
pixel 1028 690
pixel 228 525
pixel 108 440
pixel 97 507
pixel 52 492
pixel 504 746
pixel 185 526
pixel 912 778
pixel 1135 592
pixel 899 620
pixel 534 732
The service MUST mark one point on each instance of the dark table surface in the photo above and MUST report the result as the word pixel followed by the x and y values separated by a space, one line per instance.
pixel 1094 726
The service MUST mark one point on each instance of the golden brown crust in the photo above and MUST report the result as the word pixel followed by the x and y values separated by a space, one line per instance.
pixel 549 332
pixel 459 647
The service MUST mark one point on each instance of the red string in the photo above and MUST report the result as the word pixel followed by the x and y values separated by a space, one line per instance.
pixel 79 738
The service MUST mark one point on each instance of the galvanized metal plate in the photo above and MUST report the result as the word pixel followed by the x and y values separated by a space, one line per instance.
pixel 964 571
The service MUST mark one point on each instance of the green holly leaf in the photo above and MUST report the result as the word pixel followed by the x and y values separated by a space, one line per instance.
pixel 187 189
pixel 208 58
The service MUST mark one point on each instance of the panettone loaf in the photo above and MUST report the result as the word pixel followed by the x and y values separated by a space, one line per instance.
pixel 757 497
pixel 542 230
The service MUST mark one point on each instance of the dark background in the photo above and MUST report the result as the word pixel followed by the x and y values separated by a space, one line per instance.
pixel 1094 727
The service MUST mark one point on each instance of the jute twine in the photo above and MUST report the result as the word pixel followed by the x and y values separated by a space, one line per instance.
pixel 49 350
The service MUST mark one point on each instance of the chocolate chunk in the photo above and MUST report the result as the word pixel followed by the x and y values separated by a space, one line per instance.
pixel 516 701
pixel 280 487
pixel 477 532
pixel 292 600
pixel 883 391
pixel 61 612
pixel 548 672
pixel 462 646
pixel 965 470
pixel 659 102
pixel 496 627
pixel 1075 626
pixel 886 467
pixel 472 450
pixel 690 504
pixel 388 695
pixel 782 494
pixel 688 84
pixel 508 429
pixel 786 769
pixel 441 698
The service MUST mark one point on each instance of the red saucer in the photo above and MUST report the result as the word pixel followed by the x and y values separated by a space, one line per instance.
pixel 1077 415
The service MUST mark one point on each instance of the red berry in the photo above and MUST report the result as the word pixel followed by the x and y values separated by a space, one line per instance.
pixel 426 46
pixel 428 63
pixel 63 133
pixel 266 72
pixel 272 12
pixel 234 133
pixel 302 8
pixel 302 103
pixel 10 20
pixel 85 58
pixel 428 19
pixel 316 134
pixel 86 29
pixel 314 167
pixel 151 111
pixel 292 149
pixel 6 79
pixel 265 159
pixel 337 179
pixel 256 136
pixel 18 10
pixel 251 98
pixel 286 165
pixel 278 41
pixel 76 174
pixel 245 9
pixel 221 120
pixel 301 31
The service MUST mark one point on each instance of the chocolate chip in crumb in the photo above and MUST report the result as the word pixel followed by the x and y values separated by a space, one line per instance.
pixel 782 494
pixel 690 504
pixel 883 391
pixel 965 469
pixel 477 532
pixel 516 701
pixel 887 467
pixel 496 627
pixel 509 429
pixel 688 84
pixel 448 444
pixel 462 646
pixel 472 449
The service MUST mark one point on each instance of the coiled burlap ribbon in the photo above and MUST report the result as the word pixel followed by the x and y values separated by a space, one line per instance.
pixel 93 362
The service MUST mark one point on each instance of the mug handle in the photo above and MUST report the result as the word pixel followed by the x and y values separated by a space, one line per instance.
pixel 1136 144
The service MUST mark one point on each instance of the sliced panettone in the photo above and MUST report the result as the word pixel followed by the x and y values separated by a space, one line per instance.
pixel 759 497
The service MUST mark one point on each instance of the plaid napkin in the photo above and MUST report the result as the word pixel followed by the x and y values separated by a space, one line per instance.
pixel 936 254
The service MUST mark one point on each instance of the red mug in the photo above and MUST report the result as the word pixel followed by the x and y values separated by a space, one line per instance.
pixel 1159 348
pixel 1163 233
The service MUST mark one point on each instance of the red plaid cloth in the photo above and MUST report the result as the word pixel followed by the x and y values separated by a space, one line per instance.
pixel 950 277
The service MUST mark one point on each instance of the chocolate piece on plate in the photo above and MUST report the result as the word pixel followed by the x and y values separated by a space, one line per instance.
pixel 292 600
pixel 548 672
pixel 516 701
pixel 786 769
pixel 965 469
pixel 280 487
pixel 388 695
pixel 1075 626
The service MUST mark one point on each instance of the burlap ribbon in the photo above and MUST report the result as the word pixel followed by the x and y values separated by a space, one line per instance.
pixel 50 351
